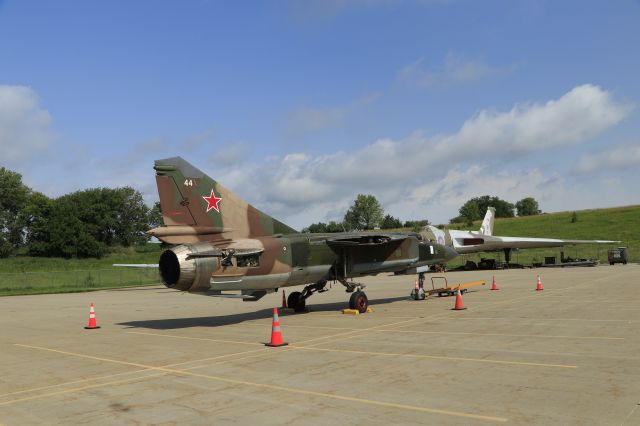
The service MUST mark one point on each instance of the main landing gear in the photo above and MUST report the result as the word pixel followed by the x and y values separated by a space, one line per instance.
pixel 358 300
pixel 298 300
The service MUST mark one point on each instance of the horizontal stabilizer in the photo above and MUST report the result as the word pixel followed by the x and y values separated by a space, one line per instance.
pixel 136 265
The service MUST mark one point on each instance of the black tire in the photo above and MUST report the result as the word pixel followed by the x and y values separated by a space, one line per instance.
pixel 359 301
pixel 296 302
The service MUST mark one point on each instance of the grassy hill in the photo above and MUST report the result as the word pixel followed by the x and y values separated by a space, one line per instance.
pixel 618 223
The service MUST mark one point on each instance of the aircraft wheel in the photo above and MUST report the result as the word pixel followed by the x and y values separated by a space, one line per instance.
pixel 359 301
pixel 296 302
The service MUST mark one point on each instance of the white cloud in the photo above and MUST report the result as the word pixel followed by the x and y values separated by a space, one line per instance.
pixel 440 200
pixel 447 194
pixel 617 158
pixel 420 172
pixel 454 70
pixel 416 177
pixel 577 116
pixel 25 126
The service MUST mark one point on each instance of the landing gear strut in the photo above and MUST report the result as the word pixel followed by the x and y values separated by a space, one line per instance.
pixel 507 256
pixel 298 300
pixel 358 299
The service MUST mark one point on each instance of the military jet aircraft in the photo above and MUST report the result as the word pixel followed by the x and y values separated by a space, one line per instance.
pixel 464 242
pixel 227 248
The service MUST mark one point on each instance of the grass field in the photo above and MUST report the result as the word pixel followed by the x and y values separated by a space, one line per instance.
pixel 33 275
pixel 37 275
pixel 619 223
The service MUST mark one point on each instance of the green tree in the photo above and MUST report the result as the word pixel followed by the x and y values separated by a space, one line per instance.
pixel 475 208
pixel 316 228
pixel 65 234
pixel 154 218
pixel 503 208
pixel 85 223
pixel 323 228
pixel 365 213
pixel 13 199
pixel 470 211
pixel 527 207
pixel 334 227
pixel 132 217
pixel 36 217
pixel 390 222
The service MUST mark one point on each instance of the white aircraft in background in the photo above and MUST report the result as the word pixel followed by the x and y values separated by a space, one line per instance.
pixel 464 242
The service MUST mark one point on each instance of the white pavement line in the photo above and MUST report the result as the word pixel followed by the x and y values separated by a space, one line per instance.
pixel 109 376
pixel 97 385
pixel 502 334
pixel 633 410
pixel 314 348
pixel 438 357
pixel 275 388
pixel 557 320
pixel 350 333
pixel 234 342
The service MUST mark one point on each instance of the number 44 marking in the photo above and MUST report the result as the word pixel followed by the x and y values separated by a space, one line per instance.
pixel 188 182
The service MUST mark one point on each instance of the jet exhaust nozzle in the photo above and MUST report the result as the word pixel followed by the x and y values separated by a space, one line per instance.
pixel 180 271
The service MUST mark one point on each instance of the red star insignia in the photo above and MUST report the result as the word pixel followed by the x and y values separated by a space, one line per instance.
pixel 212 202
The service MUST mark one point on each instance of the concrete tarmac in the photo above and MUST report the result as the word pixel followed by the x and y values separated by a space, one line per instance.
pixel 569 354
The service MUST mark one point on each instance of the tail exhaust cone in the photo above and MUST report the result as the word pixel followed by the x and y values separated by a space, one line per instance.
pixel 181 271
pixel 169 268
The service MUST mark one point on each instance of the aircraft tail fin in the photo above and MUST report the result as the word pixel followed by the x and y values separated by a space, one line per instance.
pixel 487 223
pixel 197 204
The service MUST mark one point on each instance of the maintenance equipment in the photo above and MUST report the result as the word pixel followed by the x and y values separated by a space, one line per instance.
pixel 618 255
pixel 443 290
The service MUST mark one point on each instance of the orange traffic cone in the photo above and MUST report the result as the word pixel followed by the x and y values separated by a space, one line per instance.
pixel 284 301
pixel 494 286
pixel 539 286
pixel 92 319
pixel 459 305
pixel 276 334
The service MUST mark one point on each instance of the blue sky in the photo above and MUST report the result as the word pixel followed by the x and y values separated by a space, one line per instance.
pixel 298 106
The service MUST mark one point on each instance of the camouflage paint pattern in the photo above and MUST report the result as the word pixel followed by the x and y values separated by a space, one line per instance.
pixel 183 190
pixel 227 244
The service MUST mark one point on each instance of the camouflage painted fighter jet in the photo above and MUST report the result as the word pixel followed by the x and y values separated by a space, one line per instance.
pixel 225 245
pixel 483 240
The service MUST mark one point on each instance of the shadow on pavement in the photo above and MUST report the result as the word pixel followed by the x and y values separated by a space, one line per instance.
pixel 219 321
